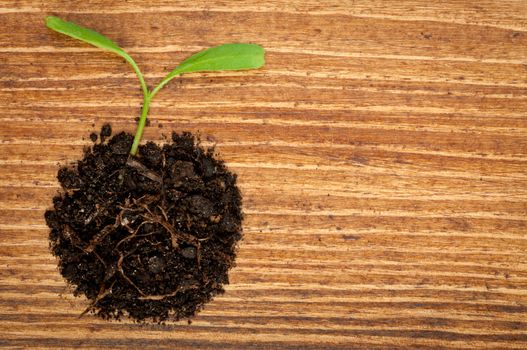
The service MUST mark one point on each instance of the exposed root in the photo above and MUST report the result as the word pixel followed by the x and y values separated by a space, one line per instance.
pixel 121 271
pixel 103 233
pixel 163 296
pixel 103 292
pixel 133 233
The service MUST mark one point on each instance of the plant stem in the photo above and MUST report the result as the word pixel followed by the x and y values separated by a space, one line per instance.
pixel 130 60
pixel 146 105
pixel 163 82
pixel 141 124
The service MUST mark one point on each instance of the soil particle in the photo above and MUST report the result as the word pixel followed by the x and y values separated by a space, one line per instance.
pixel 149 237
pixel 147 123
pixel 189 252
pixel 106 131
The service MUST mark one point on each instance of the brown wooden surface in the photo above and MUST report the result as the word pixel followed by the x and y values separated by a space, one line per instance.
pixel 382 154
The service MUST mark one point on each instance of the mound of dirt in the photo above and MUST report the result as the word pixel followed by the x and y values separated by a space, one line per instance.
pixel 150 237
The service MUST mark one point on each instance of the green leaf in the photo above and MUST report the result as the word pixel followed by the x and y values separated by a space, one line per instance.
pixel 219 58
pixel 224 57
pixel 84 34
pixel 96 39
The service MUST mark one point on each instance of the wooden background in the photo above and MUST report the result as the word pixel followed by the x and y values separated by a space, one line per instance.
pixel 382 153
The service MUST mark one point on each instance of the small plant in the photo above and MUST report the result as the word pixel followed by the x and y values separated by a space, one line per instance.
pixel 218 58
pixel 148 231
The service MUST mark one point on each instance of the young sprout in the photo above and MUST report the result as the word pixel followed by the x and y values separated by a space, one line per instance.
pixel 217 58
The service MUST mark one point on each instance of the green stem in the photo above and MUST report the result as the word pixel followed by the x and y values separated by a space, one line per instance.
pixel 164 82
pixel 146 104
pixel 141 124
pixel 138 72
pixel 144 112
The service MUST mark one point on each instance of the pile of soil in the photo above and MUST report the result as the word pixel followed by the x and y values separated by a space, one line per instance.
pixel 150 237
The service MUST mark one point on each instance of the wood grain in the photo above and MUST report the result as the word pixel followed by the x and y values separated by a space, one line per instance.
pixel 382 154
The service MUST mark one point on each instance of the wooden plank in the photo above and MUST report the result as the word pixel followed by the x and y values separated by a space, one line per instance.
pixel 382 154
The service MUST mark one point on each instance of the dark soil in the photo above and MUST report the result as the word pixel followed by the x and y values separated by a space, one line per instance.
pixel 150 237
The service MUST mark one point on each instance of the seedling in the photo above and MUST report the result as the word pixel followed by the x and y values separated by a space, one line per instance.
pixel 217 58
pixel 152 237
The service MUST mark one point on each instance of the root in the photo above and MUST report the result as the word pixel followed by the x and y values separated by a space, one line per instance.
pixel 103 292
pixel 103 233
pixel 141 206
pixel 163 296
pixel 121 271
pixel 163 212
pixel 133 233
